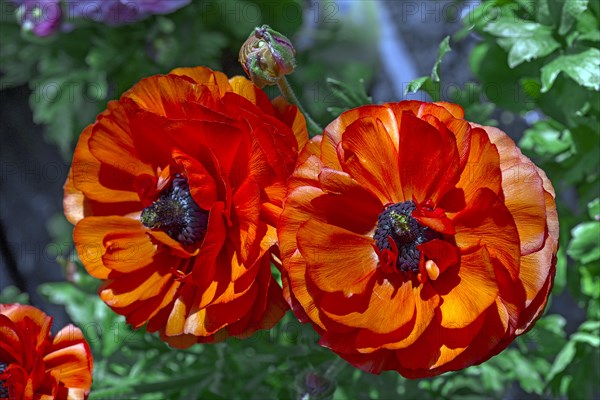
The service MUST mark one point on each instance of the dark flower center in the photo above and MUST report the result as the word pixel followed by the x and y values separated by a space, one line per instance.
pixel 395 222
pixel 3 386
pixel 176 213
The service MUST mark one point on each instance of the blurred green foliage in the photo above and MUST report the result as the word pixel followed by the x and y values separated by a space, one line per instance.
pixel 74 73
pixel 541 60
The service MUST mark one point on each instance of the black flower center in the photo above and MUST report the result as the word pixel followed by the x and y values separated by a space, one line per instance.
pixel 176 213
pixel 395 222
pixel 3 386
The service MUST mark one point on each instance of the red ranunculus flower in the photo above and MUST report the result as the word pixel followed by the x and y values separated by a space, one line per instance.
pixel 175 190
pixel 416 241
pixel 36 365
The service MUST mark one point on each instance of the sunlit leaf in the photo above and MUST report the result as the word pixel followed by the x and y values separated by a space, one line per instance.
pixel 562 360
pixel 584 244
pixel 583 68
pixel 594 209
pixel 524 41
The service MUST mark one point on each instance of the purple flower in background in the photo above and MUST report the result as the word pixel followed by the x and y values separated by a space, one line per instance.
pixel 119 12
pixel 42 17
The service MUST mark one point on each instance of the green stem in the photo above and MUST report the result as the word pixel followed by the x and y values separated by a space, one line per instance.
pixel 287 92
pixel 334 368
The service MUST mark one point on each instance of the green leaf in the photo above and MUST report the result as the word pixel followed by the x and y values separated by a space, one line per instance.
pixel 11 294
pixel 584 337
pixel 104 330
pixel 584 384
pixel 443 49
pixel 347 96
pixel 583 68
pixel 584 245
pixel 527 49
pixel 524 41
pixel 594 209
pixel 562 360
pixel 416 84
pixel 560 280
pixel 76 302
pixel 426 84
pixel 500 84
pixel 590 281
pixel 543 14
pixel 587 27
pixel 571 11
pixel 431 84
pixel 545 138
pixel 526 374
pixel 554 323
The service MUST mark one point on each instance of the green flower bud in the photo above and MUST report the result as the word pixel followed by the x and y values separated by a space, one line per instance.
pixel 267 56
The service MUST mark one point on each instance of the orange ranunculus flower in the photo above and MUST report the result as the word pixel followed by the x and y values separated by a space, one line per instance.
pixel 36 365
pixel 175 191
pixel 416 241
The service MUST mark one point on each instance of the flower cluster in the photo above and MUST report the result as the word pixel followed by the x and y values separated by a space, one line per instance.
pixel 411 239
pixel 119 12
pixel 45 17
pixel 175 191
pixel 42 17
pixel 34 364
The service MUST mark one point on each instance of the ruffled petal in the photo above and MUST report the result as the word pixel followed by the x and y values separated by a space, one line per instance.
pixel 216 81
pixel 466 290
pixel 523 191
pixel 385 308
pixel 203 187
pixel 487 222
pixel 369 156
pixel 292 117
pixel 327 249
pixel 84 181
pixel 482 168
pixel 89 235
pixel 428 159
pixel 71 358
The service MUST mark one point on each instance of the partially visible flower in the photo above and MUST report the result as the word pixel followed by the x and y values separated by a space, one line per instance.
pixel 42 17
pixel 34 364
pixel 175 191
pixel 267 56
pixel 314 385
pixel 119 12
pixel 416 241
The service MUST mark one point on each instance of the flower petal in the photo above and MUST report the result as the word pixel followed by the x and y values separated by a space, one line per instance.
pixel 523 191
pixel 427 159
pixel 84 181
pixel 202 185
pixel 370 157
pixel 466 289
pixel 89 234
pixel 71 358
pixel 327 248
pixel 482 168
pixel 216 81
pixel 385 308
pixel 488 222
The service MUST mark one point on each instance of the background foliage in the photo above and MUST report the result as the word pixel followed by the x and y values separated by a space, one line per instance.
pixel 538 60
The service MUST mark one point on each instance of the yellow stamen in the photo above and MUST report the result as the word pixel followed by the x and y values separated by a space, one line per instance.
pixel 433 271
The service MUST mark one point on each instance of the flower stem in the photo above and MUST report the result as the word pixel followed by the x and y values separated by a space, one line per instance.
pixel 287 92
pixel 334 368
